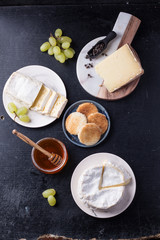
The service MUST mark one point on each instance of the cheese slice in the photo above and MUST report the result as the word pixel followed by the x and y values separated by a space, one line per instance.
pixel 119 68
pixel 103 198
pixel 41 99
pixel 23 89
pixel 58 106
pixel 50 103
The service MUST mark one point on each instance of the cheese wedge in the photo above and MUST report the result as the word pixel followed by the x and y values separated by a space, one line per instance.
pixel 50 103
pixel 41 99
pixel 119 69
pixel 58 106
pixel 23 89
pixel 101 198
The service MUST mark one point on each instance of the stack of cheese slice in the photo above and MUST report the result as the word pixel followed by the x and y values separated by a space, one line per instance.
pixel 98 190
pixel 35 95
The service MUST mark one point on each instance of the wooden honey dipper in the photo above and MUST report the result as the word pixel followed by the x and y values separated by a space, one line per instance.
pixel 54 158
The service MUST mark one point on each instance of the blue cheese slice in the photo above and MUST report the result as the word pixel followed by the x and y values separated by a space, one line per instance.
pixel 58 106
pixel 41 99
pixel 50 103
pixel 23 89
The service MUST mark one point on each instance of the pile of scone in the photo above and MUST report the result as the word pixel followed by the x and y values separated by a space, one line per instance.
pixel 87 123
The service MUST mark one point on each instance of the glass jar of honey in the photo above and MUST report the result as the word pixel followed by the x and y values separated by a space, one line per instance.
pixel 41 161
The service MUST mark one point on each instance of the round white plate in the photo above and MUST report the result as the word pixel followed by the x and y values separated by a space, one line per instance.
pixel 94 160
pixel 51 80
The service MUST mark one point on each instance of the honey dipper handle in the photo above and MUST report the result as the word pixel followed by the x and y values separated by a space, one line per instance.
pixel 31 143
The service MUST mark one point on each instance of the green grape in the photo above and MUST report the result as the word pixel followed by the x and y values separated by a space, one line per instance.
pixel 21 111
pixel 65 39
pixel 58 32
pixel 61 57
pixel 65 45
pixel 12 107
pixel 51 200
pixel 49 192
pixel 56 56
pixel 72 50
pixel 50 51
pixel 56 50
pixel 24 118
pixel 45 46
pixel 68 53
pixel 52 41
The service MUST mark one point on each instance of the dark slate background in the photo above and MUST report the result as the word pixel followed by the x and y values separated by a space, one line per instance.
pixel 134 135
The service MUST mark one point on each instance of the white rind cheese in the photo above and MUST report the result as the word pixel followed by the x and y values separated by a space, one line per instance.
pixel 58 106
pixel 50 103
pixel 120 68
pixel 23 89
pixel 41 99
pixel 97 198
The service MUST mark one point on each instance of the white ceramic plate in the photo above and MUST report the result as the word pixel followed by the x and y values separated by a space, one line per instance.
pixel 94 160
pixel 51 80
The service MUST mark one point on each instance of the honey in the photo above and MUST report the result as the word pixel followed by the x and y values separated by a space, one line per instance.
pixel 41 161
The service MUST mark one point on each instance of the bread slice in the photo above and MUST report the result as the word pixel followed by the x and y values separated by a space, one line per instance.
pixel 87 108
pixel 74 122
pixel 89 134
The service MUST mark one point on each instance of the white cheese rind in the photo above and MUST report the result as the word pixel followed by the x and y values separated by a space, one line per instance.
pixel 96 198
pixel 23 89
pixel 118 69
pixel 50 103
pixel 41 99
pixel 58 106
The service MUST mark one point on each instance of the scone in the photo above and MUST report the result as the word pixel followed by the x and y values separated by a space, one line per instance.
pixel 74 122
pixel 87 108
pixel 100 120
pixel 89 134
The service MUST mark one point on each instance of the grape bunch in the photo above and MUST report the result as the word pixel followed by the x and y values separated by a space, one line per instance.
pixel 21 112
pixel 59 46
pixel 49 194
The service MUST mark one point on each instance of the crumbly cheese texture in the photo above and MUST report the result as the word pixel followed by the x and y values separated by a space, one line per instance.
pixel 58 106
pixel 50 103
pixel 119 68
pixel 97 198
pixel 41 99
pixel 23 89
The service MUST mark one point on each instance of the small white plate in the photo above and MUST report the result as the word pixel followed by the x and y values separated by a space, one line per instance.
pixel 51 80
pixel 94 160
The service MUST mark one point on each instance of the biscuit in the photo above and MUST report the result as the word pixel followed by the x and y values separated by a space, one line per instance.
pixel 89 134
pixel 74 122
pixel 87 108
pixel 100 120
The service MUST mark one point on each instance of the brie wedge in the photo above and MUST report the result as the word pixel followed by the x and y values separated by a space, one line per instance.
pixel 101 198
pixel 41 99
pixel 23 89
pixel 50 103
pixel 58 106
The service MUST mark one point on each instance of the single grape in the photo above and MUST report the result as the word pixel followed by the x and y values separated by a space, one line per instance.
pixel 56 50
pixel 58 32
pixel 21 111
pixel 65 39
pixel 51 200
pixel 52 41
pixel 49 192
pixel 56 56
pixel 65 45
pixel 61 57
pixel 50 51
pixel 12 107
pixel 45 46
pixel 68 53
pixel 72 50
pixel 24 118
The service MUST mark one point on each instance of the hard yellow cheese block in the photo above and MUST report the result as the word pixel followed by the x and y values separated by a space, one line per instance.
pixel 119 68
